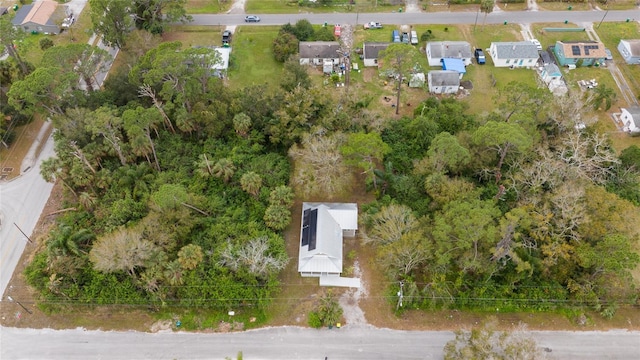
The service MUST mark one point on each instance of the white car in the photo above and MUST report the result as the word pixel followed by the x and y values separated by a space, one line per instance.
pixel 537 44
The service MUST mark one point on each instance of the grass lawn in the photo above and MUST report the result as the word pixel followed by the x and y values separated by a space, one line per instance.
pixel 562 6
pixel 483 36
pixel 292 7
pixel 252 59
pixel 195 35
pixel 610 34
pixel 207 6
pixel 548 38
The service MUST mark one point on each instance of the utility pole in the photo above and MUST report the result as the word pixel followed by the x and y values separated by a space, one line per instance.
pixel 476 23
pixel 604 16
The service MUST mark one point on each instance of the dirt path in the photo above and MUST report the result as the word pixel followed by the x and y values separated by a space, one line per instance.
pixel 350 301
pixel 237 7
pixel 412 6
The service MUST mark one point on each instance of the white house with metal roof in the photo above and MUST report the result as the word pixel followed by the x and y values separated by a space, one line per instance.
pixel 514 54
pixel 318 52
pixel 631 120
pixel 321 235
pixel 438 50
pixel 630 50
pixel 371 52
pixel 443 81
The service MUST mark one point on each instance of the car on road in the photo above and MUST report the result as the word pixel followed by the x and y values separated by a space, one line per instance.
pixel 480 58
pixel 252 18
pixel 226 37
pixel 537 44
pixel 373 25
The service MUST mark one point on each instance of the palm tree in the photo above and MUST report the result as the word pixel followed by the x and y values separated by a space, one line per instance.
pixel 173 273
pixel 66 241
pixel 603 94
pixel 190 256
pixel 204 165
pixel 251 183
pixel 224 169
pixel 277 217
pixel 486 6
pixel 281 195
pixel 242 124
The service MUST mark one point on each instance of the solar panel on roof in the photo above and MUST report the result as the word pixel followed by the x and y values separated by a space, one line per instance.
pixel 575 50
pixel 305 227
pixel 313 222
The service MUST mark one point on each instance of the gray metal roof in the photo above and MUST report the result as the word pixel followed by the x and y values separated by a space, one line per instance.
pixel 371 50
pixel 633 45
pixel 21 14
pixel 450 49
pixel 444 78
pixel 332 219
pixel 516 50
pixel 319 49
pixel 635 114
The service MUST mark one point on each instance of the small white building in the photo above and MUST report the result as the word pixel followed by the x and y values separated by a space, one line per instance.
pixel 514 54
pixel 438 50
pixel 630 50
pixel 316 53
pixel 371 52
pixel 443 81
pixel 321 235
pixel 417 80
pixel 552 77
pixel 631 120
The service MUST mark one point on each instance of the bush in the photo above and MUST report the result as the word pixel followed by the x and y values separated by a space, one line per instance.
pixel 314 320
pixel 45 43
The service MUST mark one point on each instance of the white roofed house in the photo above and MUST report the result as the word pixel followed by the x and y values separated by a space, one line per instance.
pixel 443 81
pixel 316 53
pixel 514 54
pixel 438 50
pixel 630 50
pixel 321 238
pixel 630 118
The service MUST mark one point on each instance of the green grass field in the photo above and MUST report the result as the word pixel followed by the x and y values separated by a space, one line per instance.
pixel 252 58
pixel 611 34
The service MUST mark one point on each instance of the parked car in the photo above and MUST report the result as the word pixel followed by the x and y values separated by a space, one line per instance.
pixel 479 54
pixel 414 37
pixel 537 44
pixel 373 25
pixel 405 38
pixel 337 30
pixel 226 37
pixel 252 18
pixel 395 36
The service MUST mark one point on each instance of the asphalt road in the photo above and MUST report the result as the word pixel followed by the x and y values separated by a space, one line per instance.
pixel 520 17
pixel 21 202
pixel 284 343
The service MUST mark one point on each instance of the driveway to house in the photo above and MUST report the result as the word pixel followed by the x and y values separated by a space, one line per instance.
pixel 284 343
pixel 518 17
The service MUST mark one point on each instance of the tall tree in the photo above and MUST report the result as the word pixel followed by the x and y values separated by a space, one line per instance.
pixel 224 169
pixel 190 256
pixel 121 250
pixel 105 123
pixel 255 256
pixel 604 97
pixel 486 6
pixel 10 36
pixel 111 19
pixel 399 60
pixel 155 15
pixel 83 59
pixel 365 151
pixel 251 182
pixel 139 123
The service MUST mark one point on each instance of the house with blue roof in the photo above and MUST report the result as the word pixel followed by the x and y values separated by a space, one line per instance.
pixel 454 65
pixel 514 54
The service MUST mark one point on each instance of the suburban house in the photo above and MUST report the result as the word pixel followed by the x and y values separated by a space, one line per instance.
pixel 579 53
pixel 551 75
pixel 317 53
pixel 44 16
pixel 438 50
pixel 630 50
pixel 454 65
pixel 220 68
pixel 631 120
pixel 443 81
pixel 371 51
pixel 323 227
pixel 514 54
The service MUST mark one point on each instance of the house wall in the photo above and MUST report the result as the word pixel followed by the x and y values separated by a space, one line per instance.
pixel 318 61
pixel 629 124
pixel 371 62
pixel 626 54
pixel 317 274
pixel 443 89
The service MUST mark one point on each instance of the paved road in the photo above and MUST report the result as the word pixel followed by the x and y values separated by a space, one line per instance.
pixel 520 17
pixel 21 202
pixel 284 343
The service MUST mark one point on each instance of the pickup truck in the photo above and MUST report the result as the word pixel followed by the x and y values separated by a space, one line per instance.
pixel 373 25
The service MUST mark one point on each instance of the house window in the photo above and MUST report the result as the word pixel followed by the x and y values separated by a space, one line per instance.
pixel 375 61
pixel 507 61
pixel 530 61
